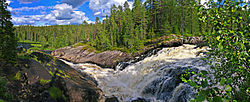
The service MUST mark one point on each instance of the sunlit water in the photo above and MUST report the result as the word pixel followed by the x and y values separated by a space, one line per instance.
pixel 155 79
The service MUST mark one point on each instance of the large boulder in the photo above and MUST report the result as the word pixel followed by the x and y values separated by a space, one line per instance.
pixel 80 55
pixel 46 79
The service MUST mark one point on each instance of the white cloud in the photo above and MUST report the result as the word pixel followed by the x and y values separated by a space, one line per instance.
pixel 74 3
pixel 103 6
pixel 8 1
pixel 29 20
pixel 32 8
pixel 97 13
pixel 63 14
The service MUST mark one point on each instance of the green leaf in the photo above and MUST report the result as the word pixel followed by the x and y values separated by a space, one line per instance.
pixel 204 83
pixel 192 83
pixel 204 72
pixel 217 99
pixel 192 100
pixel 228 88
pixel 222 81
pixel 218 37
pixel 220 46
pixel 225 100
pixel 201 97
pixel 229 80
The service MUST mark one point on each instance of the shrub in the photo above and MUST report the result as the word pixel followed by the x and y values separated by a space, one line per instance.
pixel 56 93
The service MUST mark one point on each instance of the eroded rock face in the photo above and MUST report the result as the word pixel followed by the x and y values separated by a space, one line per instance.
pixel 78 55
pixel 110 59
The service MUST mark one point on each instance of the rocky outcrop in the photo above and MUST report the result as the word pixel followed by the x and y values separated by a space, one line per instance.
pixel 110 59
pixel 194 40
pixel 79 55
pixel 47 79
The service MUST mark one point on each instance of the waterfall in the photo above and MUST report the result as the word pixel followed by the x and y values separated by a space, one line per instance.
pixel 155 78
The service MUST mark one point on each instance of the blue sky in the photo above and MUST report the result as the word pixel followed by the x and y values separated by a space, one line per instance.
pixel 59 12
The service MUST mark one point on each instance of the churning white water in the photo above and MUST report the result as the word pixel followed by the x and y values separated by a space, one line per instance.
pixel 155 79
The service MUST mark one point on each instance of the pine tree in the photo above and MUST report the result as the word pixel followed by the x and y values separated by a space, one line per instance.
pixel 8 41
pixel 139 18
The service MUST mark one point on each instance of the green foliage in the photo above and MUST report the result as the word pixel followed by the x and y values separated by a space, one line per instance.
pixel 48 64
pixel 43 82
pixel 125 28
pixel 207 87
pixel 8 41
pixel 229 57
pixel 56 93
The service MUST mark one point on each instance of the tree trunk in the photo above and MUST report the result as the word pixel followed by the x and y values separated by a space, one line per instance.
pixel 183 18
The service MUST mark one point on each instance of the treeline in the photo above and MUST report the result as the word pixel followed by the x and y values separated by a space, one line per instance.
pixel 55 36
pixel 125 27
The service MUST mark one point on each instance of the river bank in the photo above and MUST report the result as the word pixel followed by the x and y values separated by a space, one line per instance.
pixel 111 58
pixel 44 77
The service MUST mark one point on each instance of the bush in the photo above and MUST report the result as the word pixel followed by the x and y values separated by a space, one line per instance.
pixel 55 92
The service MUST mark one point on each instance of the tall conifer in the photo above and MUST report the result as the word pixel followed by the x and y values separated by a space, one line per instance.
pixel 8 41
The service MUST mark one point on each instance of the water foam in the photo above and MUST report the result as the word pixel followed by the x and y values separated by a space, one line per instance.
pixel 155 78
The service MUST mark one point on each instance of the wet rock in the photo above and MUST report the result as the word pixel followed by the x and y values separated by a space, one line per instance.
pixel 170 88
pixel 111 99
pixel 140 100
pixel 194 40
pixel 172 43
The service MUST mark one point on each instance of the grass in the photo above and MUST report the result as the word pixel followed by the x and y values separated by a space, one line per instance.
pixel 28 41
pixel 37 45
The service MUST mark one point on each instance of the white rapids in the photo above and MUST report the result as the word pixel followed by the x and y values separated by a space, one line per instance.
pixel 154 78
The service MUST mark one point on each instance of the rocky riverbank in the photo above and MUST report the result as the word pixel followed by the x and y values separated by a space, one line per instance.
pixel 110 59
pixel 43 77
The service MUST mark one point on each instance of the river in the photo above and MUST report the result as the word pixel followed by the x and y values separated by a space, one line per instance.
pixel 154 79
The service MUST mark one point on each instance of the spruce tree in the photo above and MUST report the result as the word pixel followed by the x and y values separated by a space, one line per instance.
pixel 8 41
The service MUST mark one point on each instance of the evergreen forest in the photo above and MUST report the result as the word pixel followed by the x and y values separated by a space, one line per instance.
pixel 125 28
pixel 224 24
